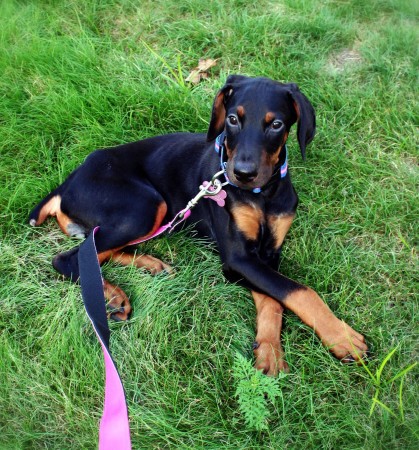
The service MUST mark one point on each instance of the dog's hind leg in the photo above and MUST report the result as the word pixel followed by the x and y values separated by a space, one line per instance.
pixel 118 304
pixel 147 262
pixel 51 206
pixel 47 207
pixel 110 240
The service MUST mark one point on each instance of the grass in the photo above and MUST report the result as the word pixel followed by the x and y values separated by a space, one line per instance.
pixel 76 76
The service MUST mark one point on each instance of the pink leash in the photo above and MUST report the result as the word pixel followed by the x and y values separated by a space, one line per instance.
pixel 114 426
pixel 114 432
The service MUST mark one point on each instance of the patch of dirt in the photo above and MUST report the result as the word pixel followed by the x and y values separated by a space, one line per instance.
pixel 347 58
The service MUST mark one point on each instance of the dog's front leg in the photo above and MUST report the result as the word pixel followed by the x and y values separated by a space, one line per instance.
pixel 267 347
pixel 344 342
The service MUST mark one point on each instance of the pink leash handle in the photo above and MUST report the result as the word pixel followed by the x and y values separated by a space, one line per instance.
pixel 114 433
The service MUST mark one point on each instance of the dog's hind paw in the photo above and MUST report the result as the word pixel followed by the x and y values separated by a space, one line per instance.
pixel 119 306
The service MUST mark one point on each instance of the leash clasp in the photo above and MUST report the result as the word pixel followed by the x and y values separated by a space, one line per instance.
pixel 216 181
pixel 207 189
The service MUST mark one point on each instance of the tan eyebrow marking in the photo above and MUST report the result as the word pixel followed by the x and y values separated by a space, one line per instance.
pixel 240 111
pixel 269 117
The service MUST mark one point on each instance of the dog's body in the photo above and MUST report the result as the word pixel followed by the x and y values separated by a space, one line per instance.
pixel 130 190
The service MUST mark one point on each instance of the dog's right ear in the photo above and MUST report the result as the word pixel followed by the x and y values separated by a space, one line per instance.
pixel 218 114
pixel 219 107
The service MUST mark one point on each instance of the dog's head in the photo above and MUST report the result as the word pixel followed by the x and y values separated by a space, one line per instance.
pixel 257 114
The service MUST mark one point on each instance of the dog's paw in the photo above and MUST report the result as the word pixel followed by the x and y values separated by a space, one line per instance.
pixel 269 358
pixel 344 342
pixel 118 306
pixel 150 263
pixel 66 264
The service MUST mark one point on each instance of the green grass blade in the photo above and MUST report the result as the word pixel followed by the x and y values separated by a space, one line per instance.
pixel 401 409
pixel 178 77
pixel 403 372
pixel 386 408
pixel 380 369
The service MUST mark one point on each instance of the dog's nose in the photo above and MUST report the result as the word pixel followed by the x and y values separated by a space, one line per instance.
pixel 245 171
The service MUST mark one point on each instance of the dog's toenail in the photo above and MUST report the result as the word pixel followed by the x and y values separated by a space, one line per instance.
pixel 255 345
pixel 115 318
pixel 111 309
pixel 348 359
pixel 367 356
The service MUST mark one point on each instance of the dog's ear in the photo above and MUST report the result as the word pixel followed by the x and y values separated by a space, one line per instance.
pixel 306 118
pixel 218 114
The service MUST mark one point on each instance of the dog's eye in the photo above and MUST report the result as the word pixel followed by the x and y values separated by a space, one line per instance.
pixel 233 120
pixel 277 125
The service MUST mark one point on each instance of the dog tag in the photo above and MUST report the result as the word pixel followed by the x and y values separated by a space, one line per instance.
pixel 218 198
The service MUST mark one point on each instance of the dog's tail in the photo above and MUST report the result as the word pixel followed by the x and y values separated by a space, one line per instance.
pixel 46 207
pixel 50 205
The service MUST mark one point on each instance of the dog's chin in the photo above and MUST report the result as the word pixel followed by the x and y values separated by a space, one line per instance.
pixel 248 186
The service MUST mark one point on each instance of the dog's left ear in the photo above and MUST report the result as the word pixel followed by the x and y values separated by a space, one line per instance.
pixel 306 118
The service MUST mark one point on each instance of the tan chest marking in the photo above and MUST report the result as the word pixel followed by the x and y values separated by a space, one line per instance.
pixel 248 219
pixel 279 226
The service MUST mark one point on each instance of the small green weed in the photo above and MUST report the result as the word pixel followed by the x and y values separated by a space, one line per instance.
pixel 380 384
pixel 253 390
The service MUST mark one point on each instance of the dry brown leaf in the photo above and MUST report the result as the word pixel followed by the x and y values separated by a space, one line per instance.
pixel 200 72
pixel 205 64
pixel 194 77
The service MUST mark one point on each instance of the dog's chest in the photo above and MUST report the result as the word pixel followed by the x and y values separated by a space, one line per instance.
pixel 257 223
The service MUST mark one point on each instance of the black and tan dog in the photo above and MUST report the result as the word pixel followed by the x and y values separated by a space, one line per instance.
pixel 130 190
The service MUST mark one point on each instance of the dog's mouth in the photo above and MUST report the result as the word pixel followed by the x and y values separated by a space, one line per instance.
pixel 248 180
